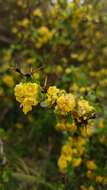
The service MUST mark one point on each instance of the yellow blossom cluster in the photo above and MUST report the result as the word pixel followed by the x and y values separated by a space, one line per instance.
pixel 101 179
pixel 24 23
pixel 21 3
pixel 91 165
pixel 63 125
pixel 19 125
pixel 88 130
pixel 84 107
pixel 71 153
pixel 65 104
pixel 52 95
pixel 8 80
pixel 37 13
pixel 7 56
pixel 44 35
pixel 27 94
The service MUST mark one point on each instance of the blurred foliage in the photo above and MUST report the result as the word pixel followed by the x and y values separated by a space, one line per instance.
pixel 65 43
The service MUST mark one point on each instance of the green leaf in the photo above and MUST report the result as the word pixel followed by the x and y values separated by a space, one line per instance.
pixel 70 118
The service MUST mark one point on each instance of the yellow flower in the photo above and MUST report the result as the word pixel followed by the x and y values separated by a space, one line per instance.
pixel 84 107
pixel 71 127
pixel 74 88
pixel 67 150
pixel 89 174
pixel 30 61
pixel 44 35
pixel 82 187
pixel 24 23
pixel 76 162
pixel 58 69
pixel 42 30
pixel 71 5
pixel 81 141
pixel 21 4
pixel 27 95
pixel 8 80
pixel 37 13
pixel 14 30
pixel 36 75
pixel 82 89
pixel 75 151
pixel 90 164
pixel 81 150
pixel 28 103
pixel 60 126
pixel 65 126
pixel 65 104
pixel 62 164
pixel 91 188
pixel 7 56
pixel 99 178
pixel 87 131
pixel 68 70
pixel 52 95
pixel 19 125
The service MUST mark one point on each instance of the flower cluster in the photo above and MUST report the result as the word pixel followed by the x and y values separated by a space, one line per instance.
pixel 52 95
pixel 27 94
pixel 63 125
pixel 37 13
pixel 65 104
pixel 8 80
pixel 44 35
pixel 71 153
pixel 91 165
pixel 84 107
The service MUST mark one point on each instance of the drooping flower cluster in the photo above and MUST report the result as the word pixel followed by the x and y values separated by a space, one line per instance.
pixel 8 80
pixel 88 129
pixel 63 102
pixel 44 35
pixel 91 168
pixel 52 95
pixel 68 108
pixel 63 125
pixel 71 153
pixel 84 107
pixel 91 165
pixel 37 13
pixel 27 94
